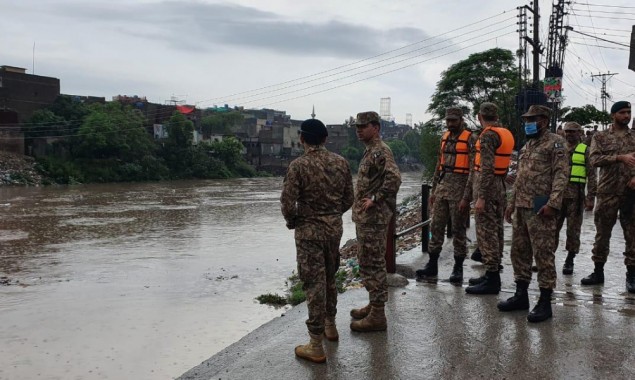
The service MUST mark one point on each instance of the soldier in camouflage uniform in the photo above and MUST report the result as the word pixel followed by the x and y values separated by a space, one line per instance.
pixel 449 183
pixel 317 190
pixel 378 182
pixel 543 173
pixel 494 147
pixel 574 202
pixel 613 151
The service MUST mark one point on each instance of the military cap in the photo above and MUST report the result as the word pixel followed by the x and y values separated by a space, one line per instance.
pixel 617 106
pixel 314 127
pixel 537 110
pixel 488 109
pixel 572 126
pixel 364 118
pixel 453 113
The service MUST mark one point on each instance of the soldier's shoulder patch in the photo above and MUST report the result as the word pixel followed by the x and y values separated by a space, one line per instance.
pixel 377 154
pixel 558 145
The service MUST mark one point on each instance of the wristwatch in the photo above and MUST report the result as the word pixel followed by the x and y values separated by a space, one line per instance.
pixel 373 198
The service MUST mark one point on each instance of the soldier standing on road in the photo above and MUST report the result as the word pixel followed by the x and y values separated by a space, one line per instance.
pixel 378 182
pixel 491 163
pixel 613 151
pixel 317 190
pixel 543 173
pixel 574 201
pixel 449 183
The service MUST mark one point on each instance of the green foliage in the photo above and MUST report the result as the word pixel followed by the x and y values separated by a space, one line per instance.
pixel 224 123
pixel 489 76
pixel 585 115
pixel 296 294
pixel 430 145
pixel 272 299
pixel 45 123
pixel 59 170
pixel 399 149
pixel 340 281
pixel 413 141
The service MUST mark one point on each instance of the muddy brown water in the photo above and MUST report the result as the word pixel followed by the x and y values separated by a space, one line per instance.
pixel 138 281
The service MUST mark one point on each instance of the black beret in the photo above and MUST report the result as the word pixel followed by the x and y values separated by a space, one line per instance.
pixel 314 127
pixel 620 105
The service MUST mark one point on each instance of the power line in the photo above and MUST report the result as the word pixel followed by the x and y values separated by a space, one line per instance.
pixel 600 46
pixel 602 5
pixel 598 38
pixel 607 12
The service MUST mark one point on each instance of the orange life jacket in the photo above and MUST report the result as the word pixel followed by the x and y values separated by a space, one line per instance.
pixel 503 154
pixel 461 151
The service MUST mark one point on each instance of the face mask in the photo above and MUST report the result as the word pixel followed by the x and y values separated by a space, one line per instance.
pixel 531 129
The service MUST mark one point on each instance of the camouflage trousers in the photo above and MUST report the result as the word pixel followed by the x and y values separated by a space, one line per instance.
pixel 371 254
pixel 490 243
pixel 573 212
pixel 443 211
pixel 318 261
pixel 606 214
pixel 533 238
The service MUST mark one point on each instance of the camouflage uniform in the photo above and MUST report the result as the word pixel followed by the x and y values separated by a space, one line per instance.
pixel 448 189
pixel 317 190
pixel 378 176
pixel 543 171
pixel 491 187
pixel 573 204
pixel 613 195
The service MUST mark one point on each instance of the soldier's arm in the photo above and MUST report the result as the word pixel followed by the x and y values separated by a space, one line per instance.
pixel 592 178
pixel 560 165
pixel 598 155
pixel 349 195
pixel 489 144
pixel 289 196
pixel 435 178
pixel 392 178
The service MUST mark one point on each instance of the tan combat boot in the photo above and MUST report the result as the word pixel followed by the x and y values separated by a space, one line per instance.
pixel 375 321
pixel 330 331
pixel 360 313
pixel 313 351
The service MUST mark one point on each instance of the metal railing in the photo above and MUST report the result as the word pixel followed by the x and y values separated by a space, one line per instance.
pixel 391 242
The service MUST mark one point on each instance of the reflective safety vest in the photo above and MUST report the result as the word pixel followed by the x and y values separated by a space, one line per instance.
pixel 461 151
pixel 503 154
pixel 578 164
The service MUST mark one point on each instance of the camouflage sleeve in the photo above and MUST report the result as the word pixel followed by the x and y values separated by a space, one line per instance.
pixel 560 165
pixel 290 194
pixel 435 177
pixel 598 156
pixel 592 177
pixel 467 193
pixel 489 144
pixel 392 177
pixel 348 195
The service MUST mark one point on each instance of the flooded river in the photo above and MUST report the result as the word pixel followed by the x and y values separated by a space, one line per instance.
pixel 138 281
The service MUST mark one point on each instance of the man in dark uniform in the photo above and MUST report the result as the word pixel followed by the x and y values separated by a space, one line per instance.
pixel 317 190
pixel 378 181
pixel 449 182
pixel 574 202
pixel 613 151
pixel 543 173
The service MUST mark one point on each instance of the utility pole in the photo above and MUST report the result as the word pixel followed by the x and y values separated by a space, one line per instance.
pixel 556 46
pixel 604 78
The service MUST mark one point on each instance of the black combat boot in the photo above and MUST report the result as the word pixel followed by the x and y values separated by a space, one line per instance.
pixel 630 278
pixel 597 277
pixel 477 280
pixel 491 285
pixel 567 268
pixel 432 267
pixel 542 310
pixel 476 255
pixel 457 271
pixel 519 301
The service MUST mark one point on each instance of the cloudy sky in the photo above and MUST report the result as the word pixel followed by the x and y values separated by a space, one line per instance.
pixel 341 56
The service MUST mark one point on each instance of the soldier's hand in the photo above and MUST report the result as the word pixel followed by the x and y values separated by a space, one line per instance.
pixel 589 204
pixel 479 207
pixel 508 214
pixel 464 205
pixel 631 183
pixel 547 211
pixel 628 159
pixel 368 203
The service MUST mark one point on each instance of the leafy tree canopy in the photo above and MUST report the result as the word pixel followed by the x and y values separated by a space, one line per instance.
pixel 585 115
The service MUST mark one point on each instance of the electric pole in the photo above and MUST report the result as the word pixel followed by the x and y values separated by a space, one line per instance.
pixel 604 95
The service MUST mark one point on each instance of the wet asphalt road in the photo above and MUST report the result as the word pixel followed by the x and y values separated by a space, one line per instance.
pixel 436 330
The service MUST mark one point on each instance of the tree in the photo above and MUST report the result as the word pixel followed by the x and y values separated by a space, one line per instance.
pixel 413 141
pixel 489 76
pixel 221 123
pixel 585 115
pixel 399 149
pixel 430 145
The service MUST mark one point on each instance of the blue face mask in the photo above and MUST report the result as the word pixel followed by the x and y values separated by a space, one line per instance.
pixel 531 129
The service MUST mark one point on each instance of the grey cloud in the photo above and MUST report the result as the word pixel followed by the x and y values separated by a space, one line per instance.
pixel 196 26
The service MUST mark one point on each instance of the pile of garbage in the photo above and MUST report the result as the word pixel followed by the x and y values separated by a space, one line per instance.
pixel 17 169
